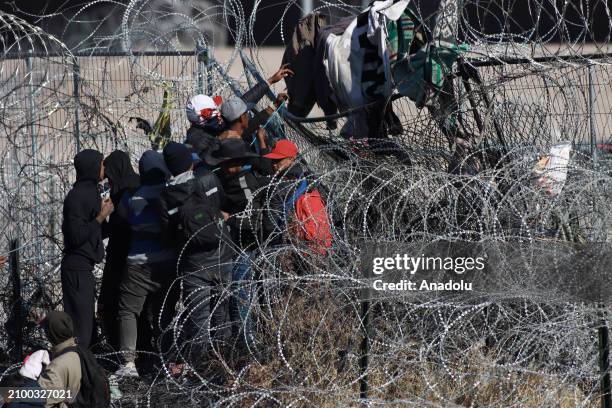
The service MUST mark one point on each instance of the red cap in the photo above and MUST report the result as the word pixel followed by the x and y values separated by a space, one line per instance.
pixel 282 150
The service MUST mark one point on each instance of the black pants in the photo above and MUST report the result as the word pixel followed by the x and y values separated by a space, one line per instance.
pixel 109 297
pixel 79 289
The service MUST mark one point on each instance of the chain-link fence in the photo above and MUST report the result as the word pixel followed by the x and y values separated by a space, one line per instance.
pixel 52 106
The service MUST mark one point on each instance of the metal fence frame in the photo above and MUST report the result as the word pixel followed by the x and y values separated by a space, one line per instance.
pixel 202 69
pixel 205 68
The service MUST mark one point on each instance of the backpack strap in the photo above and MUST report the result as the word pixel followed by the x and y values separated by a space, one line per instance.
pixel 67 350
pixel 299 191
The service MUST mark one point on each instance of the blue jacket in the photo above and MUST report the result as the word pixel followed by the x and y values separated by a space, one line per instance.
pixel 139 209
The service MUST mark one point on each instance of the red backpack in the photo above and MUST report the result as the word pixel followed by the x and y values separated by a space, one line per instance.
pixel 313 223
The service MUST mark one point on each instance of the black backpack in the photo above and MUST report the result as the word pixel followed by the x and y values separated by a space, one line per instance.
pixel 200 224
pixel 95 389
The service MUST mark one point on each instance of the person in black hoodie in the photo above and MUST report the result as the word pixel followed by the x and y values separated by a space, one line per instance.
pixel 121 178
pixel 84 212
pixel 239 187
pixel 195 224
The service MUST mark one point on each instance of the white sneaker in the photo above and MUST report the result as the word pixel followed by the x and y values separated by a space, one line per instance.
pixel 127 370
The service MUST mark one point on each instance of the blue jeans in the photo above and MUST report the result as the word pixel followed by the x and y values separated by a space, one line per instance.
pixel 242 278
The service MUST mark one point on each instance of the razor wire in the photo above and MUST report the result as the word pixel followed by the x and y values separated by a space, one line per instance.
pixel 488 349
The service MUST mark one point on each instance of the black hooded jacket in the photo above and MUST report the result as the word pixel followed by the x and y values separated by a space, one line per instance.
pixel 58 327
pixel 118 169
pixel 201 140
pixel 122 177
pixel 190 215
pixel 176 194
pixel 82 233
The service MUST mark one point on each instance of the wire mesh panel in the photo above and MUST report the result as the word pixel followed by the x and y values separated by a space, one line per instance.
pixel 115 90
pixel 473 164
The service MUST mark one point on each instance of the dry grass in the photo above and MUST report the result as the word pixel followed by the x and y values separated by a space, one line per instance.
pixel 314 361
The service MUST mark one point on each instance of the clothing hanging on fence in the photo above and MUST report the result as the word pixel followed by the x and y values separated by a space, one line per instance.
pixel 323 90
pixel 367 76
pixel 300 53
pixel 366 59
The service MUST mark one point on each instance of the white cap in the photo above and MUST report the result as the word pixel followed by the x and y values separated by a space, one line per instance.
pixel 195 106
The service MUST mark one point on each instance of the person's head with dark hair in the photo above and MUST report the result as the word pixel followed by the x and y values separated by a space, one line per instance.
pixel 119 172
pixel 88 165
pixel 152 168
pixel 58 327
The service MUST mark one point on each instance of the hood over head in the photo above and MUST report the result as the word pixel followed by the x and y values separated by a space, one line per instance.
pixel 118 169
pixel 177 157
pixel 152 168
pixel 58 327
pixel 87 164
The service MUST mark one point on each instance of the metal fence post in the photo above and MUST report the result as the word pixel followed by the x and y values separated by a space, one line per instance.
pixel 604 363
pixel 52 218
pixel 209 78
pixel 203 68
pixel 16 298
pixel 34 141
pixel 592 113
pixel 365 343
pixel 365 349
pixel 603 333
pixel 76 79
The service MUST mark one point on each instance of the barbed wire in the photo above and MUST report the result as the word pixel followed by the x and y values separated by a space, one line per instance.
pixel 510 347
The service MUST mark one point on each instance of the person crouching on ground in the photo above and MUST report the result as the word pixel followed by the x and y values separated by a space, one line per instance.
pixel 64 371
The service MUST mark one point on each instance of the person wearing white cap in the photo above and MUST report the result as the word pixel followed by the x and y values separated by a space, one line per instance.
pixel 206 123
pixel 205 117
